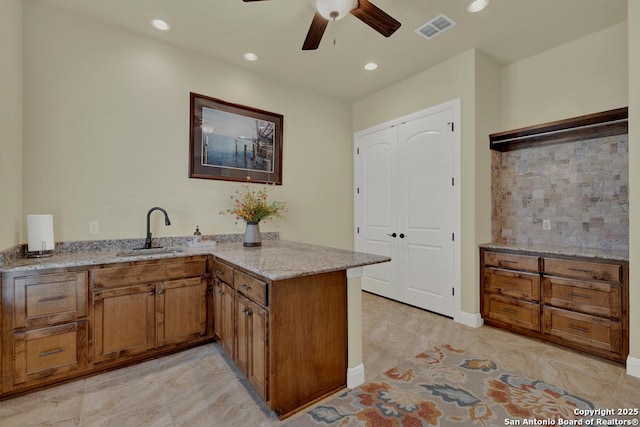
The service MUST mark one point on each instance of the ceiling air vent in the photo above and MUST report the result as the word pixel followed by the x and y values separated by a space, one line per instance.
pixel 436 26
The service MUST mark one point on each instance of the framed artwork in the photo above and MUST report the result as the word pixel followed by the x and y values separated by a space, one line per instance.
pixel 234 142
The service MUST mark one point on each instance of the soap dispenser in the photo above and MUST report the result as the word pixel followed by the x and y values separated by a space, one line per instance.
pixel 197 235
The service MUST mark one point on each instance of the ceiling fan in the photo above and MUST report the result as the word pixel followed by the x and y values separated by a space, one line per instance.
pixel 333 10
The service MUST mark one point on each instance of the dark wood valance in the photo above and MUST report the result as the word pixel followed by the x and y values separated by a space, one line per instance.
pixel 606 123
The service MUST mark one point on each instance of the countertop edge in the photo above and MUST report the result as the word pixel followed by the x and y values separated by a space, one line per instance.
pixel 592 253
pixel 312 259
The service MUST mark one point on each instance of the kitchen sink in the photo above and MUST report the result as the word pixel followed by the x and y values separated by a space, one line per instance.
pixel 150 251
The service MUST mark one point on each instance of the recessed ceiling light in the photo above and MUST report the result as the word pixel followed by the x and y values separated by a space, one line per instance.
pixel 371 66
pixel 250 56
pixel 161 25
pixel 478 5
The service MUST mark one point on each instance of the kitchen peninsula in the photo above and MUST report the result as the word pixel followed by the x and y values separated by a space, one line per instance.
pixel 286 313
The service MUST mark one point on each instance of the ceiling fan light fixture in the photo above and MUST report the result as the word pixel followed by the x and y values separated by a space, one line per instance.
pixel 334 10
pixel 478 5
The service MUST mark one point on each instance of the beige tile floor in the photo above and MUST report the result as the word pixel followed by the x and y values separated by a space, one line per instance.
pixel 197 387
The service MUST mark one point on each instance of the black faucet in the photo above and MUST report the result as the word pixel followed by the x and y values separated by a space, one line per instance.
pixel 147 242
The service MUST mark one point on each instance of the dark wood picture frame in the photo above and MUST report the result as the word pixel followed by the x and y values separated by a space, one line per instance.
pixel 233 142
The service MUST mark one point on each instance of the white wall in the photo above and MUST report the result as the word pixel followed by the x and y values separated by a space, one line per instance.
pixel 10 122
pixel 487 121
pixel 108 137
pixel 585 76
pixel 634 181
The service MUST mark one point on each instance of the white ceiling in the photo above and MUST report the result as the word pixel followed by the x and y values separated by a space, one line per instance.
pixel 508 31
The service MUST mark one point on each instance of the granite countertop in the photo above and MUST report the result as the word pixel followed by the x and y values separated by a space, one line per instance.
pixel 274 260
pixel 562 250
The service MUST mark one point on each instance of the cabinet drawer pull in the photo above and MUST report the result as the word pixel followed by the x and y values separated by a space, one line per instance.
pixel 245 287
pixel 579 270
pixel 509 310
pixel 50 352
pixel 579 328
pixel 573 294
pixel 506 261
pixel 56 298
pixel 220 272
pixel 510 283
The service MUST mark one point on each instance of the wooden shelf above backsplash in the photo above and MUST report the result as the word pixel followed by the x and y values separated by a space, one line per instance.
pixel 598 125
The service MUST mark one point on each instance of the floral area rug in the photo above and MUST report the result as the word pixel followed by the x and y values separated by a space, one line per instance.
pixel 445 386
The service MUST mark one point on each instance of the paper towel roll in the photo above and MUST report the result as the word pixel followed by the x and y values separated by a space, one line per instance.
pixel 40 233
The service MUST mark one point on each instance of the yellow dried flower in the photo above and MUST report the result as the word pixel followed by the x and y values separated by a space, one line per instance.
pixel 252 206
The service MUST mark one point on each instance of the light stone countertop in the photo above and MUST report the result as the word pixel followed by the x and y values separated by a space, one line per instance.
pixel 562 250
pixel 274 260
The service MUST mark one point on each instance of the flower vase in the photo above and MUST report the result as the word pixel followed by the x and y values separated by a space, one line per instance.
pixel 252 235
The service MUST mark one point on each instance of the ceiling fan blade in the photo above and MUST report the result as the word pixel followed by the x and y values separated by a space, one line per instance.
pixel 375 17
pixel 316 31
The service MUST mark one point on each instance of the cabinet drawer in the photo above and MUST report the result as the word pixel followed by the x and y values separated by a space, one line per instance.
pixel 148 272
pixel 583 269
pixel 251 287
pixel 583 329
pixel 223 272
pixel 513 312
pixel 49 352
pixel 49 298
pixel 512 283
pixel 601 299
pixel 512 261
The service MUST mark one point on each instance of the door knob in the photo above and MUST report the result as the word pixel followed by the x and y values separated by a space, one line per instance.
pixel 402 235
pixel 394 235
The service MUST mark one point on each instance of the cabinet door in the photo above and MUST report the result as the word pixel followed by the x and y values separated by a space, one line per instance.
pixel 217 309
pixel 225 319
pixel 242 334
pixel 257 348
pixel 251 341
pixel 124 322
pixel 43 299
pixel 49 353
pixel 181 310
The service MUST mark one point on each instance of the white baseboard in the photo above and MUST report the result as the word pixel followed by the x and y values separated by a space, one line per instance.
pixel 355 376
pixel 472 320
pixel 633 366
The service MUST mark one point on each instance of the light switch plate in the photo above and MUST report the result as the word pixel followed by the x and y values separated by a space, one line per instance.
pixel 94 227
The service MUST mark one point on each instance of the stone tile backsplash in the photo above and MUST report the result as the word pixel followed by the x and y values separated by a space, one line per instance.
pixel 581 187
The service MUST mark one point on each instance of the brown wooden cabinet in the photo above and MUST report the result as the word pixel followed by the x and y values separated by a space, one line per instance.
pixel 241 322
pixel 251 340
pixel 44 327
pixel 49 353
pixel 586 304
pixel 63 323
pixel 574 301
pixel 285 333
pixel 224 307
pixel 123 322
pixel 148 305
pixel 181 310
